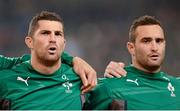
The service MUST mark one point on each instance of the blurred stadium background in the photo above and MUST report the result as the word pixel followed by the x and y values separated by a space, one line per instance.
pixel 96 30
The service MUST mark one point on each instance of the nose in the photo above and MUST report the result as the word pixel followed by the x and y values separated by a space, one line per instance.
pixel 52 38
pixel 154 46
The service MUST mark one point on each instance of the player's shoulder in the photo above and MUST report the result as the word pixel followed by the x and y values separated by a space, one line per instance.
pixel 178 78
pixel 113 80
pixel 3 58
pixel 112 83
pixel 168 75
pixel 69 71
pixel 66 68
pixel 22 67
pixel 6 72
pixel 173 78
pixel 25 57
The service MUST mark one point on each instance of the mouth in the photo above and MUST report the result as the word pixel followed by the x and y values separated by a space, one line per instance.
pixel 52 50
pixel 154 57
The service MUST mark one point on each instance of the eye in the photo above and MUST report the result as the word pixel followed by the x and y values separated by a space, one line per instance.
pixel 159 40
pixel 45 32
pixel 146 40
pixel 57 33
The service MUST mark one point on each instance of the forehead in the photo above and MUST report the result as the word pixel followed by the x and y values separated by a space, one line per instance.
pixel 50 25
pixel 152 31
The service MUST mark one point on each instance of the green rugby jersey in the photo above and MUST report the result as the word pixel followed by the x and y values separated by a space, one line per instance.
pixel 139 91
pixel 28 89
pixel 8 62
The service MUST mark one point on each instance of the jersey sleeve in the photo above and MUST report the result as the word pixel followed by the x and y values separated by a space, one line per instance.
pixel 99 98
pixel 9 62
pixel 66 58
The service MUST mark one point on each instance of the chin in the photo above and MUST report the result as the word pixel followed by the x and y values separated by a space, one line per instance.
pixel 52 58
pixel 154 65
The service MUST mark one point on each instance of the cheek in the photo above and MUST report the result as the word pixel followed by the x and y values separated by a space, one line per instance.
pixel 63 46
pixel 162 52
pixel 163 49
pixel 141 52
pixel 40 42
pixel 61 43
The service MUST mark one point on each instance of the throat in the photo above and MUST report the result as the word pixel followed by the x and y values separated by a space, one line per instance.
pixel 148 69
pixel 152 69
pixel 46 67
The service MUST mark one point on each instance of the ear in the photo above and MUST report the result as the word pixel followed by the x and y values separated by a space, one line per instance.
pixel 29 42
pixel 131 48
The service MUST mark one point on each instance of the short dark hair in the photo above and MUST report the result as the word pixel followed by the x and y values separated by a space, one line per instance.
pixel 143 20
pixel 43 15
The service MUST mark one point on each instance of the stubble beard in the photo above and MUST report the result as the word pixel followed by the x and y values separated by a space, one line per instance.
pixel 47 60
pixel 150 66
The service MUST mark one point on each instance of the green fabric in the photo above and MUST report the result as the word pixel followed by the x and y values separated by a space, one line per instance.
pixel 150 91
pixel 66 58
pixel 60 90
pixel 8 62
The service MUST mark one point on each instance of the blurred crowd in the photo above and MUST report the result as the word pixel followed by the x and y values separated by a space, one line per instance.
pixel 96 30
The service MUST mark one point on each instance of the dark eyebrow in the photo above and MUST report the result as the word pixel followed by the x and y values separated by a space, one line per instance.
pixel 146 38
pixel 48 31
pixel 59 31
pixel 160 38
pixel 45 31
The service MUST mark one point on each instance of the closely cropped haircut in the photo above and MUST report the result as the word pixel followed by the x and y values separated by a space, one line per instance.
pixel 44 15
pixel 143 20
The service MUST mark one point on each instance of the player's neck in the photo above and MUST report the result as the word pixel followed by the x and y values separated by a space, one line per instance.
pixel 147 69
pixel 45 67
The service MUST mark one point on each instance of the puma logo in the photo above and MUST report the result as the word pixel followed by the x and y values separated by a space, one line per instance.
pixel 134 81
pixel 21 79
